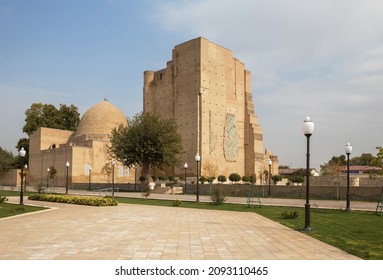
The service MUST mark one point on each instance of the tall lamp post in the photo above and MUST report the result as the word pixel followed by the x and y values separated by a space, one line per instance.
pixel 308 129
pixel 25 177
pixel 185 167
pixel 48 173
pixel 113 163
pixel 135 177
pixel 22 154
pixel 348 151
pixel 67 164
pixel 197 159
pixel 270 163
pixel 90 176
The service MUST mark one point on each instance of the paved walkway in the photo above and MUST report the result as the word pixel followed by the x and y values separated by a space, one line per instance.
pixel 325 204
pixel 141 232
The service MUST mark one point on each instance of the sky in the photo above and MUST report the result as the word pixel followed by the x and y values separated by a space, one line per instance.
pixel 321 58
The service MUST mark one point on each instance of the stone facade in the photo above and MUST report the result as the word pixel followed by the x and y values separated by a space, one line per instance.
pixel 86 150
pixel 208 92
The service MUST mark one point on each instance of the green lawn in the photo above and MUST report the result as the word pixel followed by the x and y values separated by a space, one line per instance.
pixel 358 233
pixel 8 209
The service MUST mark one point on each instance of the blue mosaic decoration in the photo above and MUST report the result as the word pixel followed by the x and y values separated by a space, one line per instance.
pixel 230 142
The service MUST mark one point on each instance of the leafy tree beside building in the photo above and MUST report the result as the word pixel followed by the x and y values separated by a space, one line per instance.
pixel 149 141
pixel 7 161
pixel 47 115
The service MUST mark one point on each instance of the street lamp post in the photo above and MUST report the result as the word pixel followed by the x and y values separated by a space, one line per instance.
pixel 348 151
pixel 135 177
pixel 22 154
pixel 185 167
pixel 90 176
pixel 25 177
pixel 48 172
pixel 270 163
pixel 113 163
pixel 197 159
pixel 308 129
pixel 67 164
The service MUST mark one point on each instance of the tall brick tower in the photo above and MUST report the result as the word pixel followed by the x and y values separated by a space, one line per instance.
pixel 208 92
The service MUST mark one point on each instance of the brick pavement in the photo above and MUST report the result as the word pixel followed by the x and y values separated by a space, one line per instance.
pixel 140 232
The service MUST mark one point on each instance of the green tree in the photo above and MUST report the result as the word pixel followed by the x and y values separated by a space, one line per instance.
pixel 378 161
pixel 149 141
pixel 365 159
pixel 22 143
pixel 334 165
pixel 47 115
pixel 245 178
pixel 7 161
pixel 252 178
pixel 222 178
pixel 234 177
pixel 69 117
pixel 276 178
pixel 203 179
pixel 297 179
pixel 162 178
pixel 211 179
pixel 170 178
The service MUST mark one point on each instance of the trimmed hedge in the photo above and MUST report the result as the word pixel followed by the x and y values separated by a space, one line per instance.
pixel 81 200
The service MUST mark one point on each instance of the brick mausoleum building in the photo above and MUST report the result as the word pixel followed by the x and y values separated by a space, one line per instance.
pixel 208 92
pixel 85 149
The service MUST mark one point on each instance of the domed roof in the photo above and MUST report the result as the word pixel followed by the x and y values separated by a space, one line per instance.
pixel 101 118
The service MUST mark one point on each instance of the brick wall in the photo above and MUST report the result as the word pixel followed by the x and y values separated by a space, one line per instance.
pixel 325 192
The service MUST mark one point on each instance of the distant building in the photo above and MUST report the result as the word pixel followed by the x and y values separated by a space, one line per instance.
pixel 361 169
pixel 86 150
pixel 286 172
pixel 208 92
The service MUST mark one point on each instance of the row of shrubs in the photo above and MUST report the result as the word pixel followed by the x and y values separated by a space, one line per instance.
pixel 234 178
pixel 81 200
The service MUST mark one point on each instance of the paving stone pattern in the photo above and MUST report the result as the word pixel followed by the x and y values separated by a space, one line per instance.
pixel 140 232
